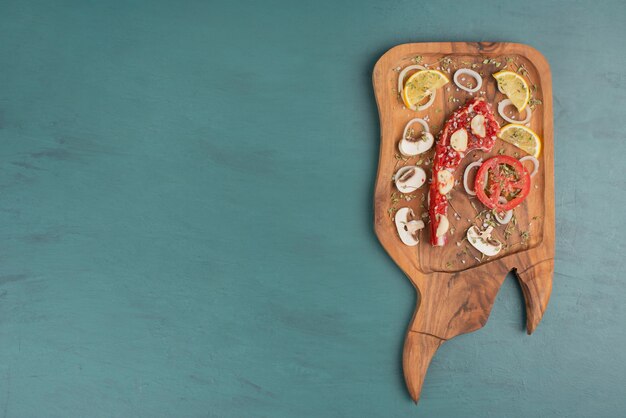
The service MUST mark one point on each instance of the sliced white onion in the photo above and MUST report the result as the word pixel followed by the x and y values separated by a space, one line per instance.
pixel 429 103
pixel 412 148
pixel 535 163
pixel 503 220
pixel 507 102
pixel 465 175
pixel 415 120
pixel 403 74
pixel 471 73
pixel 401 77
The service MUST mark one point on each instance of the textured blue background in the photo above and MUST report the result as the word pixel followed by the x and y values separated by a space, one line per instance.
pixel 186 221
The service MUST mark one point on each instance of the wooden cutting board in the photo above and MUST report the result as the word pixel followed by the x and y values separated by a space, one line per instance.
pixel 456 285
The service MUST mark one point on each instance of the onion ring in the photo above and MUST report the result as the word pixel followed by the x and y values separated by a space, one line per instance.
pixel 507 102
pixel 403 73
pixel 429 103
pixel 467 170
pixel 401 76
pixel 507 215
pixel 415 120
pixel 534 161
pixel 471 73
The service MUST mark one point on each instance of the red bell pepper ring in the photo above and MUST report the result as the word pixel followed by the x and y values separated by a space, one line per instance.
pixel 504 177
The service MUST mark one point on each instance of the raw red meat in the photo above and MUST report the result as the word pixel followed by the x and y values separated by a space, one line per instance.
pixel 448 158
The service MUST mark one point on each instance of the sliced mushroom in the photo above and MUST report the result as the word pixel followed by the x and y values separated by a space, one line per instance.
pixel 410 178
pixel 483 241
pixel 445 181
pixel 478 126
pixel 410 147
pixel 458 140
pixel 408 227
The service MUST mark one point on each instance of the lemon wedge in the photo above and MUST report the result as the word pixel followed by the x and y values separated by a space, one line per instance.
pixel 420 85
pixel 515 88
pixel 522 137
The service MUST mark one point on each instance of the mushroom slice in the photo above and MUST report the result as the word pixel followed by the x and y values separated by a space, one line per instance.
pixel 445 181
pixel 478 126
pixel 483 241
pixel 408 227
pixel 458 140
pixel 410 178
pixel 410 147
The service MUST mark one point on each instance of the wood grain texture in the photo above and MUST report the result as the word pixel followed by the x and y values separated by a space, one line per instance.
pixel 455 294
pixel 186 215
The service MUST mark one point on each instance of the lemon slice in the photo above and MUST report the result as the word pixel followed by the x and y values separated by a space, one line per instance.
pixel 420 85
pixel 515 88
pixel 522 137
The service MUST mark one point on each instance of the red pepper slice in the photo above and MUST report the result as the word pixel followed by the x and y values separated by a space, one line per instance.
pixel 502 176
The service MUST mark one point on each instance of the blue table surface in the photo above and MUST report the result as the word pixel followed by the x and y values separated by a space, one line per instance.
pixel 186 214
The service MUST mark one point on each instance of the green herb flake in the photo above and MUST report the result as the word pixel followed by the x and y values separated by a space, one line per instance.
pixel 445 62
pixel 525 235
pixel 522 70
pixel 534 102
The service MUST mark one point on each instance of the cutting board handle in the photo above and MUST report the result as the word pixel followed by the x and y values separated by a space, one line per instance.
pixel 419 350
pixel 449 304
pixel 536 284
pixel 458 303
